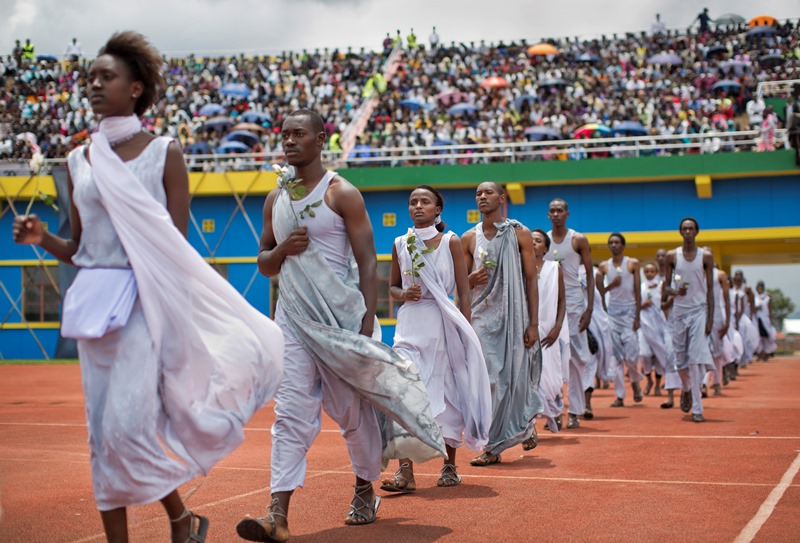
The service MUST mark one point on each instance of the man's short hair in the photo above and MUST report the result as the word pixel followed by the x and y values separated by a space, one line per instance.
pixel 559 201
pixel 683 220
pixel 317 124
pixel 617 235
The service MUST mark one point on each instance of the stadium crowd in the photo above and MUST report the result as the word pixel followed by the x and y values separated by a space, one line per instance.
pixel 656 83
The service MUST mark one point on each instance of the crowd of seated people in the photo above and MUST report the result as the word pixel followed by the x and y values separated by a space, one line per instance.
pixel 463 94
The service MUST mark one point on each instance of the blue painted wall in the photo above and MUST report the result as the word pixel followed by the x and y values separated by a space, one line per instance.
pixel 646 206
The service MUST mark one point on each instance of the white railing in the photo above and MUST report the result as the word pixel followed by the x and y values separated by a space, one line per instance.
pixel 768 88
pixel 575 149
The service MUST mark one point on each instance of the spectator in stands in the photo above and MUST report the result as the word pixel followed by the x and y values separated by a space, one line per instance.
pixel 755 112
pixel 433 39
pixel 658 27
pixel 28 52
pixel 704 18
pixel 411 40
pixel 74 51
pixel 767 134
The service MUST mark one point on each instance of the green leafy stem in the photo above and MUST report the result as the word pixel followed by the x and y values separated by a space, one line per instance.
pixel 416 257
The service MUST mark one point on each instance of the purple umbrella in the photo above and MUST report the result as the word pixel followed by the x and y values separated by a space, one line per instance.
pixel 665 58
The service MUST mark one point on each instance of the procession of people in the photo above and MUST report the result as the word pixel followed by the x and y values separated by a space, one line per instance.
pixel 493 324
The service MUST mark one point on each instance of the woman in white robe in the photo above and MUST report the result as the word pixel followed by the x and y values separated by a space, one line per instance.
pixel 766 345
pixel 552 308
pixel 427 268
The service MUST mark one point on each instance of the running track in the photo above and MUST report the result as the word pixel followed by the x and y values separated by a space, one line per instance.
pixel 634 474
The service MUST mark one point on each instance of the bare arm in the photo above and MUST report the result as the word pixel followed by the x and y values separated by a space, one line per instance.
pixel 412 294
pixel 176 187
pixel 525 242
pixel 350 204
pixel 561 309
pixel 585 251
pixel 599 280
pixel 637 289
pixel 708 264
pixel 271 254
pixel 666 292
pixel 30 231
pixel 462 278
pixel 723 279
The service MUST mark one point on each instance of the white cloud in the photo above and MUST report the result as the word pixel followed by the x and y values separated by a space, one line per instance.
pixel 24 14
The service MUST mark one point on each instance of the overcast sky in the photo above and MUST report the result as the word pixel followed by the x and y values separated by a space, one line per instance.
pixel 277 25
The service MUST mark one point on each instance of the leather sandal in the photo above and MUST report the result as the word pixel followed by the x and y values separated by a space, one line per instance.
pixel 485 459
pixel 198 526
pixel 263 528
pixel 532 442
pixel 449 476
pixel 400 483
pixel 363 513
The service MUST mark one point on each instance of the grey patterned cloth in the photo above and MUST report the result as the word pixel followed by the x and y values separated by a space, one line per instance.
pixel 499 317
pixel 325 314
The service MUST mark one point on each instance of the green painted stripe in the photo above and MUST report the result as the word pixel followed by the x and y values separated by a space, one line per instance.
pixel 611 170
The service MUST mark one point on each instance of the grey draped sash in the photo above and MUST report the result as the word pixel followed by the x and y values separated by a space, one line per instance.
pixel 499 317
pixel 325 312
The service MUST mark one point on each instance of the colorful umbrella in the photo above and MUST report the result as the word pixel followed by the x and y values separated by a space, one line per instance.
pixel 210 109
pixel 218 123
pixel 519 101
pixel 539 133
pixel 452 97
pixel 494 82
pixel 729 19
pixel 552 83
pixel 761 31
pixel 727 85
pixel 255 117
pixel 460 109
pixel 250 127
pixel 232 147
pixel 665 58
pixel 770 61
pixel 542 49
pixel 414 104
pixel 716 50
pixel 248 138
pixel 588 57
pixel 761 20
pixel 588 130
pixel 630 128
pixel 240 90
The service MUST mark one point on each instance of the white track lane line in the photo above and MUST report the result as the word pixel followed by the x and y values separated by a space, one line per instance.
pixel 749 532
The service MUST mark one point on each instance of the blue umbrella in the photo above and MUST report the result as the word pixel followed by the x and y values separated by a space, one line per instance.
pixel 665 58
pixel 629 128
pixel 243 136
pixel 218 123
pixel 362 151
pixel 239 90
pixel 460 109
pixel 232 147
pixel 761 31
pixel 715 49
pixel 727 85
pixel 530 98
pixel 770 61
pixel 539 133
pixel 255 117
pixel 46 58
pixel 210 109
pixel 552 83
pixel 414 104
pixel 588 57
pixel 199 148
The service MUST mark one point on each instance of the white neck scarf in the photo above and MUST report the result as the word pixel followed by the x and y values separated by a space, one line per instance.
pixel 429 232
pixel 119 129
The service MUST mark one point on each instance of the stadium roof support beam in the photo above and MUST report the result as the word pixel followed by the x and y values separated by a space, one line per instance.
pixel 703 185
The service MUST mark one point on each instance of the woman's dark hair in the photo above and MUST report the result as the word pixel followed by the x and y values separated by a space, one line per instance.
pixel 617 235
pixel 441 226
pixel 143 61
pixel 544 235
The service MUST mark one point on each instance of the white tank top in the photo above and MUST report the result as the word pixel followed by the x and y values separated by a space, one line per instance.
pixel 326 228
pixel 693 275
pixel 548 296
pixel 570 261
pixel 719 312
pixel 621 296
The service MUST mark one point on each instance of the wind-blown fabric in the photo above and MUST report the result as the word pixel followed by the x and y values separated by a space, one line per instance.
pixel 499 317
pixel 325 312
pixel 221 359
pixel 465 358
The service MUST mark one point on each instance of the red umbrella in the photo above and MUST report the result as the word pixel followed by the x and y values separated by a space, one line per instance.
pixel 494 82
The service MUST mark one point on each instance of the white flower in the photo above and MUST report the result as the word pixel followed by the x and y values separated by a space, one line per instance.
pixel 36 163
pixel 277 169
pixel 482 253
